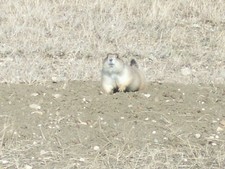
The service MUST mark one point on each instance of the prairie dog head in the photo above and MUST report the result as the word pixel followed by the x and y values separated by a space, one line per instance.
pixel 112 63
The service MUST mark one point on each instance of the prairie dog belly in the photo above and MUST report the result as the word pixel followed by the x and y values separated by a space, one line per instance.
pixel 124 78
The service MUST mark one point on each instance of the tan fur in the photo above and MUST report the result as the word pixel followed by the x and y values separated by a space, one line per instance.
pixel 118 76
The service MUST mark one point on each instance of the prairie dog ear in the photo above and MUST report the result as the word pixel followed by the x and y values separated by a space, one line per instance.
pixel 106 58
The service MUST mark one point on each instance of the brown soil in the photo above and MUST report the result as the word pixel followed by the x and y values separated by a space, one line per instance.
pixel 75 125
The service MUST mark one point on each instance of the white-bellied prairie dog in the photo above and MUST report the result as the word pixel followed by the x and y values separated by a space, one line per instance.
pixel 118 76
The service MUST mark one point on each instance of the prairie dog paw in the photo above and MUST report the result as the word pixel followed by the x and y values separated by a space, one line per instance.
pixel 122 88
pixel 109 91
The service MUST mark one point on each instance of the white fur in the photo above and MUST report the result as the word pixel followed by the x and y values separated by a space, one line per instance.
pixel 117 75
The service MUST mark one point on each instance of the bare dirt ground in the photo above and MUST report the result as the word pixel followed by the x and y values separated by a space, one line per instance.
pixel 74 125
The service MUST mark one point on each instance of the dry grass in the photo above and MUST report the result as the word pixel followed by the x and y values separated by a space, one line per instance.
pixel 68 39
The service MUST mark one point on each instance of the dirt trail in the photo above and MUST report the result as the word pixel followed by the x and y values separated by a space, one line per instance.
pixel 74 125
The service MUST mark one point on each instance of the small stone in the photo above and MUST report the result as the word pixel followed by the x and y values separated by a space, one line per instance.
pixel 43 152
pixel 219 129
pixel 147 95
pixel 34 94
pixel 37 112
pixel 56 95
pixel 35 106
pixel 5 161
pixel 64 86
pixel 165 138
pixel 197 135
pixel 154 132
pixel 82 159
pixel 211 137
pixel 196 26
pixel 84 100
pixel 55 79
pixel 28 167
pixel 214 144
pixel 96 148
pixel 105 123
pixel 156 141
pixel 57 113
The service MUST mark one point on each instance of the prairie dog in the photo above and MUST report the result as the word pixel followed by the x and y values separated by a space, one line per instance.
pixel 118 76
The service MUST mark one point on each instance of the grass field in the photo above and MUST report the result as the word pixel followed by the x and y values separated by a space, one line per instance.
pixel 174 41
pixel 176 122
